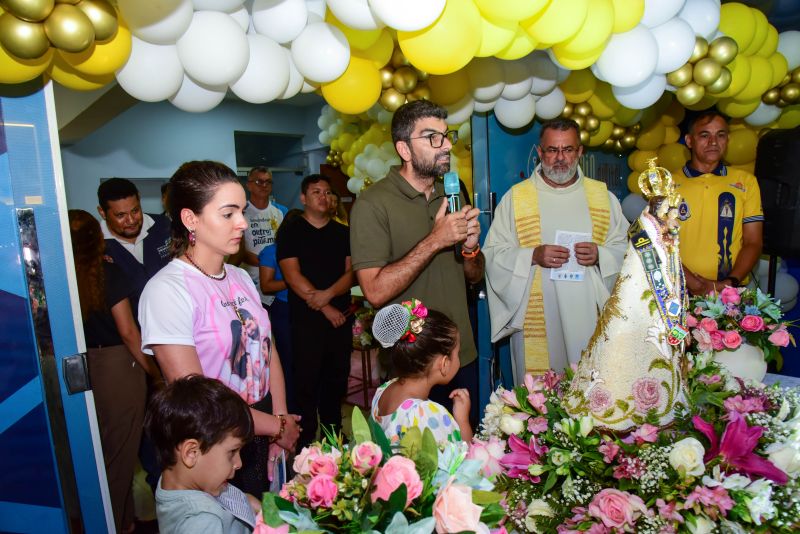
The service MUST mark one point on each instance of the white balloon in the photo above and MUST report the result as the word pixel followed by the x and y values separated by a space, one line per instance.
pixel 309 87
pixel 632 206
pixel 226 6
pixel 160 22
pixel 675 40
pixel 763 268
pixel 642 95
pixel 483 107
pixel 316 8
pixel 385 116
pixel 214 50
pixel 267 74
pixel 360 161
pixel 321 52
pixel 486 77
pixel 657 12
pixel 408 15
pixel 280 20
pixel 629 58
pixel 702 16
pixel 788 305
pixel 152 73
pixel 355 14
pixel 295 78
pixel 371 150
pixel 563 73
pixel 465 132
pixel 596 72
pixel 763 115
pixel 544 73
pixel 551 105
pixel 375 168
pixel 786 287
pixel 789 46
pixel 354 185
pixel 518 80
pixel 461 111
pixel 198 97
pixel 324 138
pixel 515 113
pixel 242 17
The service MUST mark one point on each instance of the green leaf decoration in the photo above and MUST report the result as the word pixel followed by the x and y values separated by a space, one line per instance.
pixel 492 514
pixel 397 500
pixel 361 431
pixel 380 438
pixel 660 364
pixel 269 510
pixel 482 498
pixel 428 458
pixel 652 306
pixel 550 482
pixel 622 405
pixel 411 442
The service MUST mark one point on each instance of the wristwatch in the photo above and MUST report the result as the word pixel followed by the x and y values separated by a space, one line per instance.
pixel 735 282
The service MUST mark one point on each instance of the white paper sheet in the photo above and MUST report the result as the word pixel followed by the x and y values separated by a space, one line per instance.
pixel 571 271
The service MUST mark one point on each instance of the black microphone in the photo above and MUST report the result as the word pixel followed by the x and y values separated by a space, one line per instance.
pixel 452 190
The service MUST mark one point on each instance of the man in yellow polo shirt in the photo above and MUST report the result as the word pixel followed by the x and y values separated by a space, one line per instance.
pixel 722 219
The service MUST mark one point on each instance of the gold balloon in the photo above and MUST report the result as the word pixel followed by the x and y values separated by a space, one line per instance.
pixel 721 83
pixel 68 28
pixel 73 2
pixel 786 79
pixel 420 92
pixel 628 141
pixel 592 123
pixel 796 75
pixel 608 144
pixel 690 93
pixel 568 110
pixel 580 119
pixel 700 50
pixel 706 71
pixel 103 17
pixel 30 10
pixel 391 99
pixel 25 40
pixel 583 109
pixel 584 137
pixel 790 92
pixel 723 50
pixel 398 59
pixel 782 103
pixel 421 75
pixel 618 148
pixel 682 76
pixel 386 77
pixel 636 128
pixel 617 132
pixel 404 79
pixel 772 96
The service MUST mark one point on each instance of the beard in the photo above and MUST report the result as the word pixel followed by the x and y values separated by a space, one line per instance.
pixel 432 168
pixel 560 174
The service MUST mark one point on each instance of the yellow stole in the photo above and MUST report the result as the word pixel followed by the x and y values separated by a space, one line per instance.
pixel 529 233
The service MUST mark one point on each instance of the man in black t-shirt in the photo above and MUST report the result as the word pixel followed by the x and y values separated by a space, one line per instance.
pixel 314 255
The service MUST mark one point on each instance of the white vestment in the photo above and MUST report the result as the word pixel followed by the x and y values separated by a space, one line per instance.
pixel 571 308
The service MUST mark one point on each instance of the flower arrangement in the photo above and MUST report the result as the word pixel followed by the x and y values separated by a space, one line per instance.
pixel 728 463
pixel 365 486
pixel 362 327
pixel 724 320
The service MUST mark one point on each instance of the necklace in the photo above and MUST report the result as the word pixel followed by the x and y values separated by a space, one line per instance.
pixel 212 276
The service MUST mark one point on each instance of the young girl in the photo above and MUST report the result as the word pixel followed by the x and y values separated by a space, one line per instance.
pixel 423 345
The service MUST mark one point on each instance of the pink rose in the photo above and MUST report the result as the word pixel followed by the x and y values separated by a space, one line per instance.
pixel 752 323
pixel 616 509
pixel 489 453
pixel 609 450
pixel 358 328
pixel 365 456
pixel 703 340
pixel 716 340
pixel 599 399
pixel 263 528
pixel 691 321
pixel 537 425
pixel 302 462
pixel 646 394
pixel 322 491
pixel 454 510
pixel 779 337
pixel 730 295
pixel 397 470
pixel 420 310
pixel 324 465
pixel 731 339
pixel 708 324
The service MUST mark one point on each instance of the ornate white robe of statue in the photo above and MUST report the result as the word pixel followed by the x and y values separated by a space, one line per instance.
pixel 571 309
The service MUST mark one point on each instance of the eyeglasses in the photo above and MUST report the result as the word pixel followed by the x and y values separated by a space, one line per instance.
pixel 261 183
pixel 436 139
pixel 554 150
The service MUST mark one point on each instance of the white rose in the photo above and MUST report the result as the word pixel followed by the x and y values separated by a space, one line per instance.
pixel 537 507
pixel 784 411
pixel 686 457
pixel 700 525
pixel 586 425
pixel 786 457
pixel 511 425
pixel 760 506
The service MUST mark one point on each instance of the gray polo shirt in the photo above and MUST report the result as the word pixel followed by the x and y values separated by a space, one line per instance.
pixel 387 221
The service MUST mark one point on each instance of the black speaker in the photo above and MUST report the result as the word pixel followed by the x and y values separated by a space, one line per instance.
pixel 778 173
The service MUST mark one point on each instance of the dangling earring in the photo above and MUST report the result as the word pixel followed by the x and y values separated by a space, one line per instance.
pixel 192 238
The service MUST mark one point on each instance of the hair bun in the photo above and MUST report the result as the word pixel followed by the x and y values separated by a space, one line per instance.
pixel 390 324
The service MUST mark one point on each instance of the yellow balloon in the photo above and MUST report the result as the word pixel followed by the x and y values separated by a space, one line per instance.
pixel 449 43
pixel 704 103
pixel 496 34
pixel 674 114
pixel 30 10
pixel 558 21
pixel 380 52
pixel 672 134
pixel 627 14
pixel 102 58
pixel 652 137
pixel 633 182
pixel 594 32
pixel 742 145
pixel 16 70
pixel 63 73
pixel 601 134
pixel 672 156
pixel 358 39
pixel 578 61
pixel 356 90
pixel 737 20
pixel 626 116
pixel 449 88
pixel 790 117
pixel 779 68
pixel 760 79
pixel 68 28
pixel 23 39
pixel 637 160
pixel 579 86
pixel 520 46
pixel 346 141
pixel 515 10
pixel 737 109
pixel 759 32
pixel 603 103
pixel 740 76
pixel 770 43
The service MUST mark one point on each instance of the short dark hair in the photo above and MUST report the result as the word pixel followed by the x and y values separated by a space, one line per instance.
pixel 194 184
pixel 438 337
pixel 258 169
pixel 115 189
pixel 562 125
pixel 704 117
pixel 313 179
pixel 407 115
pixel 195 407
pixel 165 187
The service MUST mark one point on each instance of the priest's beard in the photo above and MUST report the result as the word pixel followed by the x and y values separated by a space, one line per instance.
pixel 433 167
pixel 560 173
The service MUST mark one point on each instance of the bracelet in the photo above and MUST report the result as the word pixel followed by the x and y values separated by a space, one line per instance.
pixel 471 254
pixel 279 435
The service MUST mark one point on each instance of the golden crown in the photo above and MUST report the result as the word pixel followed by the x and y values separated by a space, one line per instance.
pixel 657 181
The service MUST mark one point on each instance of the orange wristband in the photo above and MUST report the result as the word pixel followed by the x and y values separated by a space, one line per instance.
pixel 471 254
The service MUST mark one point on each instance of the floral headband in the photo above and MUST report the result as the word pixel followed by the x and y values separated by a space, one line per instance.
pixel 399 321
pixel 416 321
